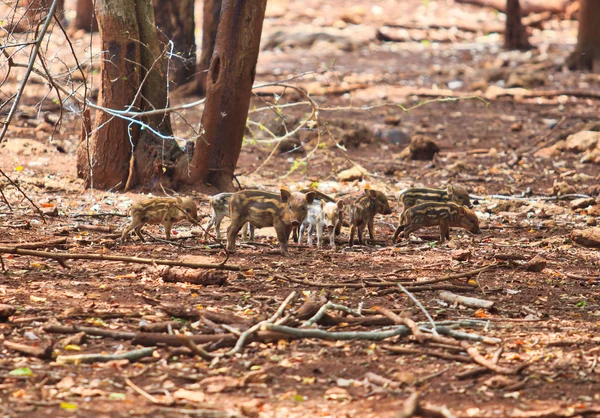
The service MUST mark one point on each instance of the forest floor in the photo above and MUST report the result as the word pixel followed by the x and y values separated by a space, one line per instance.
pixel 541 335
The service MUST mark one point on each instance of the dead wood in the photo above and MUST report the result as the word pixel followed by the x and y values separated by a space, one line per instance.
pixel 97 228
pixel 39 244
pixel 409 407
pixel 381 381
pixel 95 358
pixel 101 332
pixel 432 353
pixel 412 325
pixel 197 277
pixel 61 257
pixel 460 24
pixel 558 412
pixel 166 326
pixel 527 6
pixel 465 301
pixel 473 372
pixel 478 358
pixel 223 340
pixel 187 342
pixel 34 351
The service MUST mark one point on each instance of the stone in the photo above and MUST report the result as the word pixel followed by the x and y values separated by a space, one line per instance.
pixel 354 173
pixel 395 136
pixel 562 188
pixel 582 203
pixel 594 210
pixel 536 264
pixel 551 151
pixel 582 141
pixel 422 148
pixel 587 237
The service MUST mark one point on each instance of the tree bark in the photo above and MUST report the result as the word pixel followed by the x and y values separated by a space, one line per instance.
pixel 36 9
pixel 85 17
pixel 587 52
pixel 175 21
pixel 133 77
pixel 210 24
pixel 229 89
pixel 515 35
pixel 109 147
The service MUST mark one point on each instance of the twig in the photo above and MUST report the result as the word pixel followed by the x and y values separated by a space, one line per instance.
pixel 39 352
pixel 329 305
pixel 469 337
pixel 342 336
pixel 61 257
pixel 412 325
pixel 244 336
pixel 478 358
pixel 92 358
pixel 20 190
pixel 432 353
pixel 409 407
pixel 421 307
pixel 40 244
pixel 168 401
pixel 185 340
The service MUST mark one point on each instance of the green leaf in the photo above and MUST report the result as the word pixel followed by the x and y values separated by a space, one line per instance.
pixel 298 398
pixel 23 371
pixel 68 406
pixel 581 304
pixel 117 396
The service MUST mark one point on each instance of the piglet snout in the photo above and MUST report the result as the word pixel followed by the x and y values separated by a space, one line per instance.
pixel 295 223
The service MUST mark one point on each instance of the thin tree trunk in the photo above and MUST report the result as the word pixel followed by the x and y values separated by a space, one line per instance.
pixel 515 35
pixel 85 17
pixel 228 92
pixel 210 24
pixel 175 21
pixel 109 147
pixel 36 9
pixel 587 52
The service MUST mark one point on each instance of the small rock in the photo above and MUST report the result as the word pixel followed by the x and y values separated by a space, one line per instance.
pixel 551 151
pixel 421 148
pixel 290 145
pixel 594 210
pixel 354 173
pixel 395 136
pixel 582 141
pixel 6 311
pixel 516 127
pixel 591 221
pixel 582 203
pixel 392 120
pixel 536 264
pixel 461 255
pixel 44 127
pixel 562 188
pixel 252 408
pixel 587 237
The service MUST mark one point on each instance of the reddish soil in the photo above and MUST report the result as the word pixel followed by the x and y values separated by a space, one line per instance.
pixel 545 320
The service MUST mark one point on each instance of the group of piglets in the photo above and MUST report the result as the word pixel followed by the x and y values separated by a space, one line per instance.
pixel 310 210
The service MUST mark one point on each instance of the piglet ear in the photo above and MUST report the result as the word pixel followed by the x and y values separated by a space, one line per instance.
pixel 461 211
pixel 285 195
pixel 373 193
pixel 450 190
pixel 179 200
pixel 340 204
pixel 322 204
pixel 310 196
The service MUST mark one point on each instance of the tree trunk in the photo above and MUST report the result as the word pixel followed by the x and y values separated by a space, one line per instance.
pixel 515 35
pixel 228 92
pixel 36 10
pixel 210 24
pixel 85 18
pixel 175 21
pixel 119 153
pixel 587 52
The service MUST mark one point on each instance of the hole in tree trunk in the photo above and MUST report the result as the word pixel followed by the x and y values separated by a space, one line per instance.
pixel 216 68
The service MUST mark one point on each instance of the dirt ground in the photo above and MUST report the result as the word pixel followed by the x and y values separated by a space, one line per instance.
pixel 542 330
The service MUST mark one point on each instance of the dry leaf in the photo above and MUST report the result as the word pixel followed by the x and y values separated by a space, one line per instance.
pixel 217 384
pixel 190 395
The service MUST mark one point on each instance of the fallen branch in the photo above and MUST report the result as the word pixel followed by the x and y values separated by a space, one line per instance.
pixel 35 351
pixel 100 332
pixel 244 336
pixel 187 342
pixel 558 412
pixel 61 257
pixel 465 301
pixel 329 305
pixel 93 358
pixel 432 353
pixel 168 401
pixel 409 407
pixel 468 337
pixel 478 358
pixel 34 245
pixel 377 335
pixel 421 307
